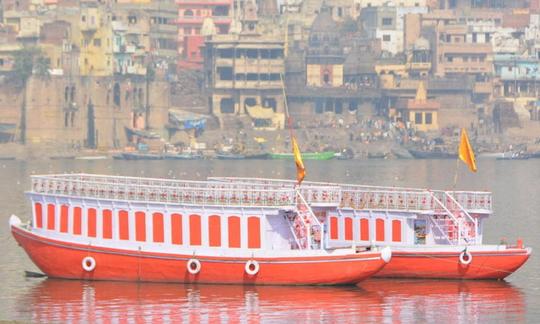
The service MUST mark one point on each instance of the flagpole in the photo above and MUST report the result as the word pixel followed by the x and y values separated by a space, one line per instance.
pixel 456 174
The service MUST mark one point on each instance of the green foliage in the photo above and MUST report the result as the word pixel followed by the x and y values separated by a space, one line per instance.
pixel 30 60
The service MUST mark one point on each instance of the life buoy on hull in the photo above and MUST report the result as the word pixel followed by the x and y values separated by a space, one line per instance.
pixel 88 264
pixel 252 267
pixel 193 266
pixel 465 257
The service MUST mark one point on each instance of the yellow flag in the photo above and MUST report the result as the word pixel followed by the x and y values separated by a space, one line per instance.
pixel 466 153
pixel 300 170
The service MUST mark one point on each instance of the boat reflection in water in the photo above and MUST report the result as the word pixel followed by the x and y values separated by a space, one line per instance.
pixel 397 300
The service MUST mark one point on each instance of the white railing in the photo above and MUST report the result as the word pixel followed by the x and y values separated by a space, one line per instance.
pixel 314 226
pixel 472 201
pixel 163 191
pixel 387 200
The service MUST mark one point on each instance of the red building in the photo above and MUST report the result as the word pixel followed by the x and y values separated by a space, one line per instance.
pixel 197 18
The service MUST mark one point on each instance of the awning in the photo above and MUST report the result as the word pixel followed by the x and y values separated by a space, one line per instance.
pixel 181 119
pixel 259 112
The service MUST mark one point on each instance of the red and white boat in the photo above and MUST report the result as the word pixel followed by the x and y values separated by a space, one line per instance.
pixel 140 229
pixel 432 234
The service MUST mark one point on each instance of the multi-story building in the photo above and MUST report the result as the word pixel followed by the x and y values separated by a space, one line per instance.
pixel 459 52
pixel 151 25
pixel 244 74
pixel 519 76
pixel 197 18
pixel 93 35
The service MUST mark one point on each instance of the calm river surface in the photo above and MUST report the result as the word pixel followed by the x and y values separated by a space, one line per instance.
pixel 516 188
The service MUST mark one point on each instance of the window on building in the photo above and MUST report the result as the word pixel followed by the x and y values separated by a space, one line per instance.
pixel 265 54
pixel 252 77
pixel 276 53
pixel 264 77
pixel 188 13
pixel 418 118
pixel 240 77
pixel 387 21
pixel 225 53
pixel 226 106
pixel 1 62
pixel 386 38
pixel 225 73
pixel 132 20
pixel 252 53
pixel 274 77
pixel 97 42
pixel 319 106
pixel 187 31
pixel 429 118
pixel 83 18
pixel 338 107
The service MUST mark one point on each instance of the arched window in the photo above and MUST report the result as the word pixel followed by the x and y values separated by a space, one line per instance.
pixel 116 94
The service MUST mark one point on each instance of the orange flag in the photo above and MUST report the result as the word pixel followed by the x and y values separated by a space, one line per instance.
pixel 466 153
pixel 300 170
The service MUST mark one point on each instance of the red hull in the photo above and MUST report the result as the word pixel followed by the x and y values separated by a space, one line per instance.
pixel 446 265
pixel 63 260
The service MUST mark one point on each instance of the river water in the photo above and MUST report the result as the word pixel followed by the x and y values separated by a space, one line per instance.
pixel 516 189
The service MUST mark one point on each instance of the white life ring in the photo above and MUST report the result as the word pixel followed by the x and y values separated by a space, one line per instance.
pixel 88 264
pixel 465 257
pixel 193 266
pixel 252 267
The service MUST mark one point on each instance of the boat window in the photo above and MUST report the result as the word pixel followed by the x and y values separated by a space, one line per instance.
pixel 420 231
pixel 157 228
pixel 254 233
pixel 140 226
pixel 38 212
pixel 176 232
pixel 92 222
pixel 214 230
pixel 234 231
pixel 194 230
pixel 348 229
pixel 379 230
pixel 50 216
pixel 396 230
pixel 123 220
pixel 107 224
pixel 364 229
pixel 333 228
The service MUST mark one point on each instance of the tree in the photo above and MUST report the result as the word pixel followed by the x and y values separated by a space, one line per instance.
pixel 27 61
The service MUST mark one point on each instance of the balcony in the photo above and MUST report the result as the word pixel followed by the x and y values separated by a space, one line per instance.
pixel 483 87
pixel 419 66
pixel 197 20
pixel 164 28
pixel 465 48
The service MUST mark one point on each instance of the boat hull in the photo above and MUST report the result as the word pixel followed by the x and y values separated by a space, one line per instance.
pixel 59 259
pixel 493 264
pixel 306 156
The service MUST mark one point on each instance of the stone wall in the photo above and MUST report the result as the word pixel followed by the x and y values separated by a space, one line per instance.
pixel 59 110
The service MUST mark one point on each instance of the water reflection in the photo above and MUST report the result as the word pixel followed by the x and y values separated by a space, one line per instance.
pixel 396 300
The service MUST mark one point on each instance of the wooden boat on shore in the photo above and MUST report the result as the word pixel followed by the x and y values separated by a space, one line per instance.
pixel 436 154
pixel 137 156
pixel 432 233
pixel 96 227
pixel 328 155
